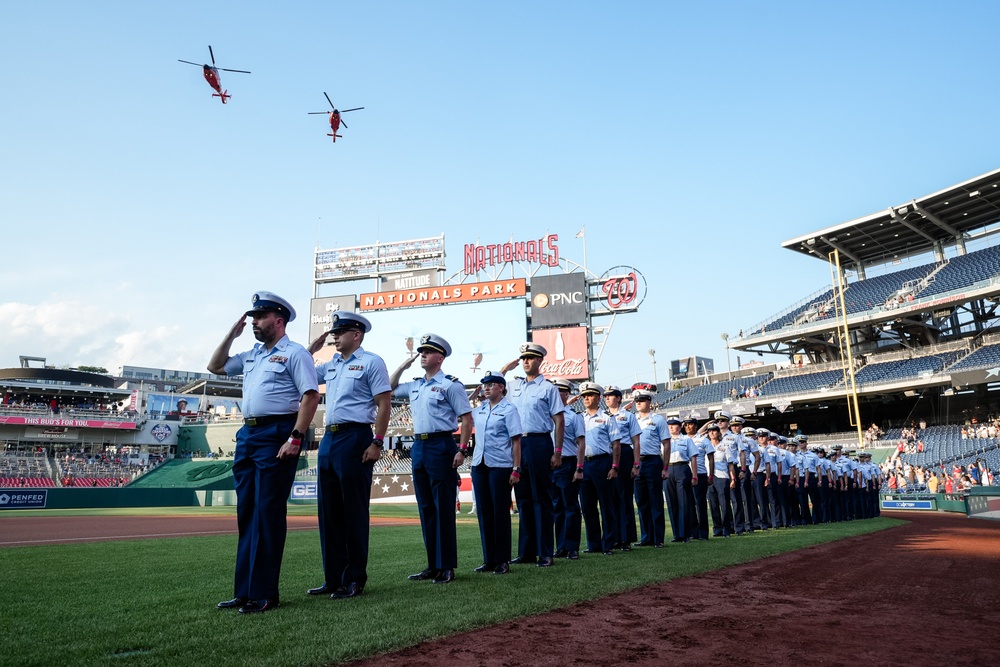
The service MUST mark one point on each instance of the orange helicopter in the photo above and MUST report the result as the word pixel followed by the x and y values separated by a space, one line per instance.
pixel 335 119
pixel 211 73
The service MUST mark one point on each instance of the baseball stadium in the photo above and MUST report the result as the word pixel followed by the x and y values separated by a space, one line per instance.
pixel 118 504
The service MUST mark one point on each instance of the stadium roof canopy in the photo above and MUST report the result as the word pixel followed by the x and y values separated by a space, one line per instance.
pixel 930 223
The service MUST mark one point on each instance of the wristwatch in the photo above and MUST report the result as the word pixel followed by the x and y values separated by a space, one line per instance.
pixel 517 469
pixel 296 434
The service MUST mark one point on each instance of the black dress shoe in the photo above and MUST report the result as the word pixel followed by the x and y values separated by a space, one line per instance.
pixel 590 551
pixel 676 541
pixel 643 544
pixel 545 562
pixel 502 568
pixel 235 603
pixel 624 547
pixel 521 560
pixel 658 545
pixel 351 590
pixel 573 555
pixel 609 553
pixel 485 567
pixel 259 606
pixel 445 577
pixel 561 553
pixel 321 590
pixel 423 575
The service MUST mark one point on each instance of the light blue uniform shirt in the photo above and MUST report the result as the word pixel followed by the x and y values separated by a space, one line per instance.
pixel 682 448
pixel 436 404
pixel 573 429
pixel 351 386
pixel 765 458
pixel 273 380
pixel 654 431
pixel 800 463
pixel 495 426
pixel 703 447
pixel 628 427
pixel 731 442
pixel 601 431
pixel 536 402
pixel 722 459
pixel 777 460
pixel 811 461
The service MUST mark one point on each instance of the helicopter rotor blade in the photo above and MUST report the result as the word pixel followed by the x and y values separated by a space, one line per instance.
pixel 190 63
pixel 354 109
pixel 317 113
pixel 328 100
pixel 211 54
pixel 241 71
pixel 343 123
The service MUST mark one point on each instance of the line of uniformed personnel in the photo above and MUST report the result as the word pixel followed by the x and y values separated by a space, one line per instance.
pixel 568 469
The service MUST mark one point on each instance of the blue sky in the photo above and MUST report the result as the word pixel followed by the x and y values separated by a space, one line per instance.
pixel 139 214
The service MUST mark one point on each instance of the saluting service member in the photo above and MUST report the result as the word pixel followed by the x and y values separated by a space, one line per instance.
pixel 629 430
pixel 541 411
pixel 566 516
pixel 654 449
pixel 496 467
pixel 280 395
pixel 599 471
pixel 357 397
pixel 439 405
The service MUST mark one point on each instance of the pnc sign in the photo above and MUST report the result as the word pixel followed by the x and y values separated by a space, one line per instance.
pixel 558 300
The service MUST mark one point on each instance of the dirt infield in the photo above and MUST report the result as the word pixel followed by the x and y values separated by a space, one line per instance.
pixel 34 531
pixel 926 593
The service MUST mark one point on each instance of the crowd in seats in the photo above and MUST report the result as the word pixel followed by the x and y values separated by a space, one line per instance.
pixel 719 392
pixel 806 383
pixel 898 370
pixel 945 451
pixel 25 469
pixel 38 405
pixel 105 467
pixel 876 291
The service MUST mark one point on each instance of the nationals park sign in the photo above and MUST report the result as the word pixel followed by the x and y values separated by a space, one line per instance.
pixel 463 293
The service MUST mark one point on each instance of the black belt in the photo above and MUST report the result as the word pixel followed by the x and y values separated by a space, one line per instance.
pixel 540 435
pixel 649 457
pixel 346 426
pixel 269 419
pixel 428 436
pixel 595 456
pixel 682 463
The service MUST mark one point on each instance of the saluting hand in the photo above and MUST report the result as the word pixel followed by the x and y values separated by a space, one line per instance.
pixel 237 329
pixel 317 344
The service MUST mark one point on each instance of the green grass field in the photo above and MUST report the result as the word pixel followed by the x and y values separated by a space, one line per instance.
pixel 152 602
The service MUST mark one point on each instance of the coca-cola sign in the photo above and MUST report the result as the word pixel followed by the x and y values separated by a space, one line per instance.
pixel 568 355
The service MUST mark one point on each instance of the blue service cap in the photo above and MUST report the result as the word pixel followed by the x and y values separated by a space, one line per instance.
pixel 493 377
pixel 532 350
pixel 434 343
pixel 689 420
pixel 674 421
pixel 265 301
pixel 613 389
pixel 591 388
pixel 349 320
pixel 642 395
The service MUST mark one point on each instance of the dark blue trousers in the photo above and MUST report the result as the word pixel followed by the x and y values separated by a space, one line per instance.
pixel 596 490
pixel 262 487
pixel 680 500
pixel 566 506
pixel 625 490
pixel 719 499
pixel 763 510
pixel 813 490
pixel 701 506
pixel 649 499
pixel 535 537
pixel 491 487
pixel 803 496
pixel 435 483
pixel 345 486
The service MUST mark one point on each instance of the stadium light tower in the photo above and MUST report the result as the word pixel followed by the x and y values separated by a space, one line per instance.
pixel 652 353
pixel 725 342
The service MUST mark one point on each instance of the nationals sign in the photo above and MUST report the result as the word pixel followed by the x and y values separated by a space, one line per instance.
pixel 541 251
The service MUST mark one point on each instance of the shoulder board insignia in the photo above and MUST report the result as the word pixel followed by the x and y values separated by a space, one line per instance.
pixel 452 378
